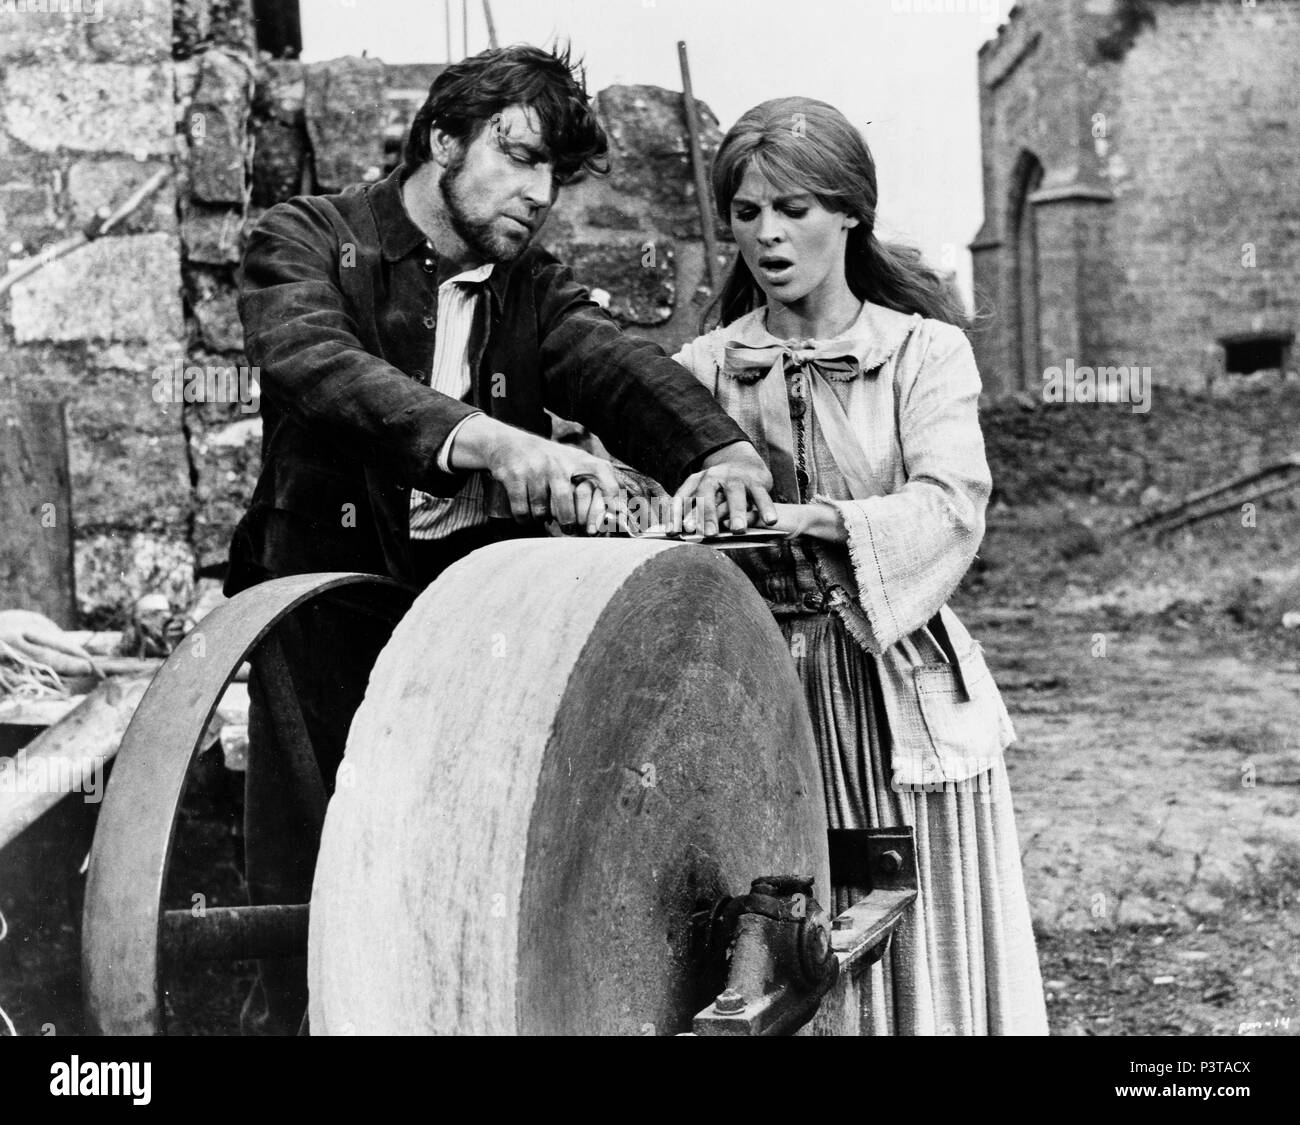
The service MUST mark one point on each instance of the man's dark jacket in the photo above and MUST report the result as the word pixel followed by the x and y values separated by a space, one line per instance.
pixel 339 314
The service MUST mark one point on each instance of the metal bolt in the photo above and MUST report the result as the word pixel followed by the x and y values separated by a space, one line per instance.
pixel 891 863
pixel 729 1002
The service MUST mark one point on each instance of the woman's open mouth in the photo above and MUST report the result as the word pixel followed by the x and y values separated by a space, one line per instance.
pixel 776 269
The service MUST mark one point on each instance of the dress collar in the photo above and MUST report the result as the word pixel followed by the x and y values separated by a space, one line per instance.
pixel 872 339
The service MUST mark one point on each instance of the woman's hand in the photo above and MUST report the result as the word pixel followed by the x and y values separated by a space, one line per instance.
pixel 817 521
pixel 741 475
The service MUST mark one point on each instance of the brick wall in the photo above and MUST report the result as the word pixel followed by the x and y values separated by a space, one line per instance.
pixel 1204 159
pixel 1166 130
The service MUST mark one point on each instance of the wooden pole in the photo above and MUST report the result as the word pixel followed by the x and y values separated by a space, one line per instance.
pixel 1286 467
pixel 703 198
pixel 446 8
pixel 36 568
pixel 464 27
pixel 68 757
pixel 491 24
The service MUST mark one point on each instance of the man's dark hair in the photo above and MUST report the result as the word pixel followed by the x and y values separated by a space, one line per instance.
pixel 467 94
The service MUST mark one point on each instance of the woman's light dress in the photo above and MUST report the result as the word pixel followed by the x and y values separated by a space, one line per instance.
pixel 964 963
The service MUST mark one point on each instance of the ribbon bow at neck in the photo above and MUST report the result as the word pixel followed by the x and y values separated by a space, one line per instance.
pixel 835 360
pixel 769 365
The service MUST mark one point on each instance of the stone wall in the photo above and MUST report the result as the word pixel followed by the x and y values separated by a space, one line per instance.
pixel 89 114
pixel 93 108
pixel 1165 131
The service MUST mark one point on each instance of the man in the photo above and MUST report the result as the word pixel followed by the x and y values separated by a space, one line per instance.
pixel 410 339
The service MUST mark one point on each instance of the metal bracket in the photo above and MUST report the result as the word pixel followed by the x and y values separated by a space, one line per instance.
pixel 780 976
pixel 875 869
pixel 781 960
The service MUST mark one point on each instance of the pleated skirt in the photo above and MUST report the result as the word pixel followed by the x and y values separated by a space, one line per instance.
pixel 963 962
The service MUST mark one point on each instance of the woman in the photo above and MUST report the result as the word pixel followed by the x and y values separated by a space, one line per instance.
pixel 844 361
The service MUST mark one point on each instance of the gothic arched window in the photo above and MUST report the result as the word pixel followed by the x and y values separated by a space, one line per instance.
pixel 1027 177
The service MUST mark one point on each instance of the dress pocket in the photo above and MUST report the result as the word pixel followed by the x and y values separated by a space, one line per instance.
pixel 967 729
pixel 943 726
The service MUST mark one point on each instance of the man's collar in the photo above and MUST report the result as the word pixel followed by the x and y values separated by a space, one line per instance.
pixel 398 234
pixel 475 275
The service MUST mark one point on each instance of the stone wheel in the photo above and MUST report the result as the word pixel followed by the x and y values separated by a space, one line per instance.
pixel 569 749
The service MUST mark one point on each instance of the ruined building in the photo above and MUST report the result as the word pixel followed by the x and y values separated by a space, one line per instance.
pixel 1141 163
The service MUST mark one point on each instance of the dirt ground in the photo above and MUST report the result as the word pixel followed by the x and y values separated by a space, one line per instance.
pixel 1157 773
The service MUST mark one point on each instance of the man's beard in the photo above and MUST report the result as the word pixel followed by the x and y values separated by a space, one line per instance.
pixel 477 234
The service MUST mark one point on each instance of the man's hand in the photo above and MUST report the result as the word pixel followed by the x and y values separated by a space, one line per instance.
pixel 735 476
pixel 541 477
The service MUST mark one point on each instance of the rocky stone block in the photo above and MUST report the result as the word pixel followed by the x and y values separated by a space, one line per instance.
pixel 199 24
pixel 28 216
pixel 43 372
pixel 218 320
pixel 96 184
pixel 227 457
pixel 280 156
pixel 132 31
pixel 191 26
pixel 650 155
pixel 90 107
pixel 345 110
pixel 280 148
pixel 231 24
pixel 31 36
pixel 639 274
pixel 186 75
pixel 125 288
pixel 130 470
pixel 133 359
pixel 212 236
pixel 408 90
pixel 281 90
pixel 225 452
pixel 216 126
pixel 114 570
pixel 615 215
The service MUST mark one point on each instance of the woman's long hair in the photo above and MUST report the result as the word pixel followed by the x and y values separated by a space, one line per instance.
pixel 804 145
